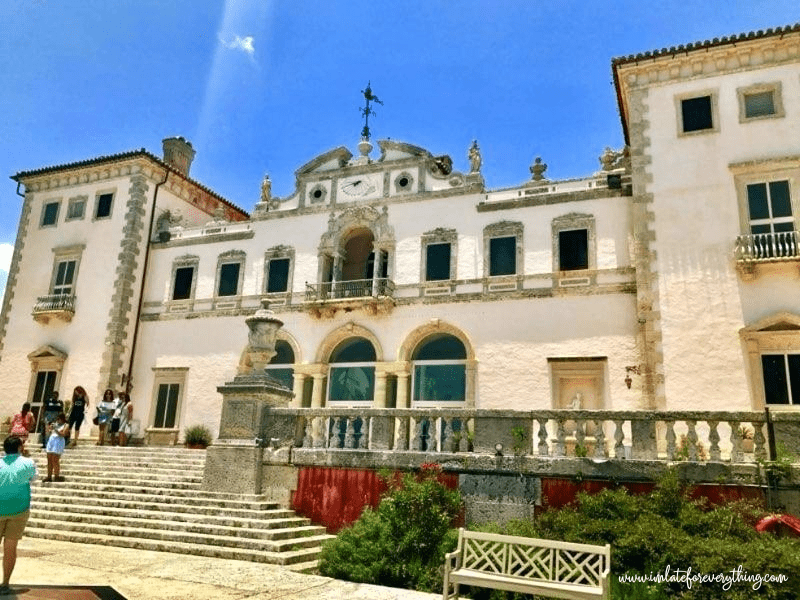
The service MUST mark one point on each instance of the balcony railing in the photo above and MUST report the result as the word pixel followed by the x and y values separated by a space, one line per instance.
pixel 782 245
pixel 59 306
pixel 352 289
pixel 700 436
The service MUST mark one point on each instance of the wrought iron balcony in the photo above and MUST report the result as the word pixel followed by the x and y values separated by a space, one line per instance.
pixel 376 295
pixel 764 247
pixel 54 306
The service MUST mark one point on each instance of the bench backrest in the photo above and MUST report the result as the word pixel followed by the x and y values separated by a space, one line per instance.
pixel 529 558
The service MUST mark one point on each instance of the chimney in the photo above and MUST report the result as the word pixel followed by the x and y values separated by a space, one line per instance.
pixel 178 154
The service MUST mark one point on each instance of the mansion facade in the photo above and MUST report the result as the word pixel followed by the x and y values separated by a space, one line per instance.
pixel 668 279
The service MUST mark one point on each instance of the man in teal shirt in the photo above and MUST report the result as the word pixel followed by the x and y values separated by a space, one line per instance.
pixel 16 474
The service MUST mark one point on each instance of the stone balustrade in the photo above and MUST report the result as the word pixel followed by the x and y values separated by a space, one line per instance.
pixel 697 436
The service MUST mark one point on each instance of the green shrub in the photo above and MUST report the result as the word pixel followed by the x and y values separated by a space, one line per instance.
pixel 403 541
pixel 197 435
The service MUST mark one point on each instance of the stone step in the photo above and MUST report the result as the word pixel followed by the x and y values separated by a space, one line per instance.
pixel 124 476
pixel 175 535
pixel 53 491
pixel 135 503
pixel 118 484
pixel 274 519
pixel 301 557
pixel 123 462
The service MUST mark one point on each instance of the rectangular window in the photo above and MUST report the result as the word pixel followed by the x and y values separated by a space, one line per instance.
pixel 770 207
pixel 573 249
pixel 182 289
pixel 50 214
pixel 696 113
pixel 781 378
pixel 759 104
pixel 278 275
pixel 353 383
pixel 76 208
pixel 437 262
pixel 503 256
pixel 439 382
pixel 63 283
pixel 228 279
pixel 103 209
pixel 166 405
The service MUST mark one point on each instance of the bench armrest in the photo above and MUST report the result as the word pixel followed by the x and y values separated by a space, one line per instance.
pixel 452 560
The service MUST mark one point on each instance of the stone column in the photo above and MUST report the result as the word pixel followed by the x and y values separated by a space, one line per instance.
pixel 299 384
pixel 317 392
pixel 401 400
pixel 379 398
pixel 469 383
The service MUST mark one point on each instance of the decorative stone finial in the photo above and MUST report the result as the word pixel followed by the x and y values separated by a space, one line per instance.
pixel 266 189
pixel 262 336
pixel 474 155
pixel 537 169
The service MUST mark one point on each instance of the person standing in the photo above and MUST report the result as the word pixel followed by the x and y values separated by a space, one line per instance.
pixel 80 402
pixel 105 408
pixel 125 412
pixel 55 447
pixel 16 474
pixel 52 406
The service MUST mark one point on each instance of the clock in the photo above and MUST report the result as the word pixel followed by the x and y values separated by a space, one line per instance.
pixel 358 186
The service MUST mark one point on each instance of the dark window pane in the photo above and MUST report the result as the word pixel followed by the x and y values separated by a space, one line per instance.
pixel 573 249
pixel 437 262
pixel 172 405
pixel 779 195
pixel 697 113
pixel 783 227
pixel 439 382
pixel 503 256
pixel 104 205
pixel 284 355
pixel 278 277
pixel 352 383
pixel 353 350
pixel 757 201
pixel 758 105
pixel 161 405
pixel 166 405
pixel 775 389
pixel 183 283
pixel 794 377
pixel 284 376
pixel 760 229
pixel 446 347
pixel 50 214
pixel 228 279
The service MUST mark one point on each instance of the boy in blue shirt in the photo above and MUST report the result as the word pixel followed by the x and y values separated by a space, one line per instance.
pixel 16 474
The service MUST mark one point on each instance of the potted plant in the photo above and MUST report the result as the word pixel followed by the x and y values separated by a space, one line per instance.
pixel 197 436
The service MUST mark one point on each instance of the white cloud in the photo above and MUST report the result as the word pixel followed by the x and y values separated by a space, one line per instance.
pixel 245 44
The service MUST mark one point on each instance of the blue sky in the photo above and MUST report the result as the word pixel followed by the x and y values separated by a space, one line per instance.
pixel 263 86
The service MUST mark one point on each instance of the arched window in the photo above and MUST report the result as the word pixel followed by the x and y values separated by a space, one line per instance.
pixel 352 371
pixel 280 367
pixel 439 372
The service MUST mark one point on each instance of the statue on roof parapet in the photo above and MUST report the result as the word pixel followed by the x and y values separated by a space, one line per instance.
pixel 474 156
pixel 537 169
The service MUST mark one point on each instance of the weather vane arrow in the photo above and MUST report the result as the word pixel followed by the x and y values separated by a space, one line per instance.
pixel 367 110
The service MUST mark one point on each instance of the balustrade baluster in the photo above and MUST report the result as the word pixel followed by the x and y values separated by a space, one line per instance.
pixel 691 439
pixel 670 439
pixel 580 435
pixel 434 435
pixel 561 438
pixel 758 441
pixel 543 447
pixel 350 433
pixel 619 436
pixel 417 442
pixel 599 439
pixel 713 437
pixel 401 436
pixel 736 442
pixel 363 440
pixel 333 432
pixel 448 437
pixel 308 433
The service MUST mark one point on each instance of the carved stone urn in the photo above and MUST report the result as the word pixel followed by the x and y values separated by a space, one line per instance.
pixel 263 332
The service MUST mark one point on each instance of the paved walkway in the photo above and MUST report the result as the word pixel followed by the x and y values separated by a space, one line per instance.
pixel 147 575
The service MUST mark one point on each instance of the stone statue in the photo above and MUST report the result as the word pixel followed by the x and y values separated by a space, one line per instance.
pixel 474 157
pixel 537 169
pixel 576 401
pixel 266 189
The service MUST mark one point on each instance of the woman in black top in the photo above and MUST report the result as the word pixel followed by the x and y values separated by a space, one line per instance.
pixel 80 402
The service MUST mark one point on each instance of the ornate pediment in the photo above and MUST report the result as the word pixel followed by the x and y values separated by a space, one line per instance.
pixel 782 321
pixel 357 217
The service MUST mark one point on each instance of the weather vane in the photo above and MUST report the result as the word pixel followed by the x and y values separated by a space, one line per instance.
pixel 367 110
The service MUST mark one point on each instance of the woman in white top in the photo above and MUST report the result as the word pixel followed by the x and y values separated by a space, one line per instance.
pixel 124 413
pixel 105 409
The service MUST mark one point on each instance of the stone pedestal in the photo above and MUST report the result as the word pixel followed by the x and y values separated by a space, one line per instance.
pixel 234 462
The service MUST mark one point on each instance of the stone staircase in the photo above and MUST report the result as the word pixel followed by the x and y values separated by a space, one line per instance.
pixel 151 498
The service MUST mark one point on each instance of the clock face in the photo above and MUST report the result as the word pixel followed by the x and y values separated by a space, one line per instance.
pixel 358 186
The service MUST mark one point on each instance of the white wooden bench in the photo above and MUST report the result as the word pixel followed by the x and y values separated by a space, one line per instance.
pixel 527 565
